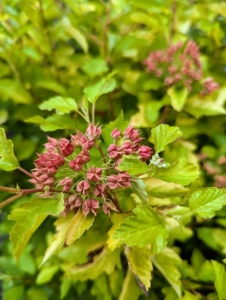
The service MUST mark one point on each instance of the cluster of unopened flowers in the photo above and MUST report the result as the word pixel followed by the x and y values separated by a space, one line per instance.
pixel 88 186
pixel 180 64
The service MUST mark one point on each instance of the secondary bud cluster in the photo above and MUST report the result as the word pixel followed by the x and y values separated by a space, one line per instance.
pixel 127 143
pixel 180 65
pixel 86 185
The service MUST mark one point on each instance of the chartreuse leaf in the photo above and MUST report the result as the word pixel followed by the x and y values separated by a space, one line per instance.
pixel 133 165
pixel 130 288
pixel 190 296
pixel 28 217
pixel 12 89
pixel 205 202
pixel 200 107
pixel 158 188
pixel 140 264
pixel 8 161
pixel 103 262
pixel 178 97
pixel 103 86
pixel 60 104
pixel 146 227
pixel 62 224
pixel 220 279
pixel 166 262
pixel 95 67
pixel 53 122
pixel 181 172
pixel 117 123
pixel 46 274
pixel 79 224
pixel 117 220
pixel 139 189
pixel 163 135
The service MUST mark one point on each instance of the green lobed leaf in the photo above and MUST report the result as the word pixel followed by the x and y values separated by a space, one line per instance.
pixel 146 227
pixel 103 86
pixel 163 135
pixel 46 274
pixel 62 224
pixel 132 165
pixel 8 161
pixel 79 224
pixel 95 67
pixel 139 189
pixel 158 188
pixel 140 264
pixel 60 104
pixel 117 220
pixel 205 202
pixel 12 89
pixel 178 97
pixel 103 262
pixel 28 217
pixel 166 262
pixel 181 172
pixel 200 107
pixel 118 123
pixel 130 288
pixel 220 280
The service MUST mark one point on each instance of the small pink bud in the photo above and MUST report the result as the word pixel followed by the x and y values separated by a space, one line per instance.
pixel 84 156
pixel 114 152
pixel 83 187
pixel 100 190
pixel 76 140
pixel 90 205
pixel 145 152
pixel 115 134
pixel 93 131
pixel 66 183
pixel 75 164
pixel 126 148
pixel 49 182
pixel 94 174
pixel 66 148
pixel 75 201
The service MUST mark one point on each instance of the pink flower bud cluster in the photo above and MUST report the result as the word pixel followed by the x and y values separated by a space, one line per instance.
pixel 128 143
pixel 86 187
pixel 180 64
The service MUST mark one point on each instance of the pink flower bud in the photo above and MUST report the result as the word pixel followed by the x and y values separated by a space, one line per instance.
pixel 66 183
pixel 76 140
pixel 84 156
pixel 93 131
pixel 115 134
pixel 90 205
pixel 112 181
pixel 52 143
pixel 74 201
pixel 100 190
pixel 88 144
pixel 66 148
pixel 126 148
pixel 49 182
pixel 83 187
pixel 145 152
pixel 108 206
pixel 94 174
pixel 114 152
pixel 75 164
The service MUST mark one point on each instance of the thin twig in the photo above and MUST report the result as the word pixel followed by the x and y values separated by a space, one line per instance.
pixel 9 200
pixel 102 153
pixel 93 113
pixel 173 23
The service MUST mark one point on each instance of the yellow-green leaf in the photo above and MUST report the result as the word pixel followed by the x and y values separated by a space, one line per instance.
pixel 8 161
